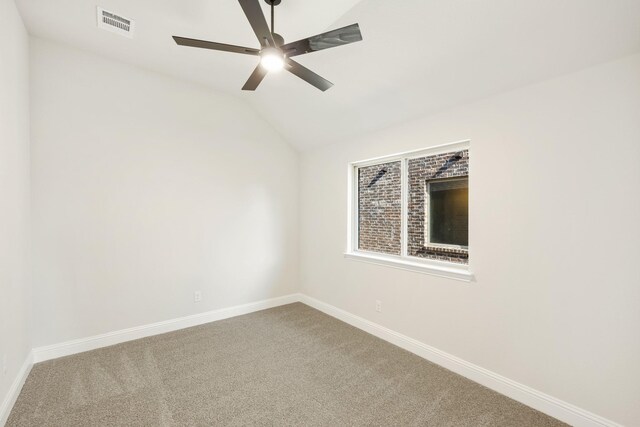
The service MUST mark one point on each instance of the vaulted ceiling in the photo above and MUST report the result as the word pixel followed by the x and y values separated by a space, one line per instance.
pixel 418 56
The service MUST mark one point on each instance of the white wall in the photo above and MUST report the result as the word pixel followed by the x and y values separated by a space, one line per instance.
pixel 554 232
pixel 15 342
pixel 146 189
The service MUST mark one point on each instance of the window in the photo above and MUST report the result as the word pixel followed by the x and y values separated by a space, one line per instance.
pixel 412 210
pixel 447 214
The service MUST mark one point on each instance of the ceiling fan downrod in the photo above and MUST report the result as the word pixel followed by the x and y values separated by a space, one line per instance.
pixel 277 37
pixel 272 26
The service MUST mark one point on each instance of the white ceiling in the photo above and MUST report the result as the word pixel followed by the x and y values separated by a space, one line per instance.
pixel 418 56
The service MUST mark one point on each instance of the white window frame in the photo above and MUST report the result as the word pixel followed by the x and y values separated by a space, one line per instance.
pixel 432 267
pixel 427 223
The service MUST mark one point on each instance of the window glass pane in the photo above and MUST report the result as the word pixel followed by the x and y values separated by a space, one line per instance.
pixel 445 220
pixel 380 208
pixel 449 212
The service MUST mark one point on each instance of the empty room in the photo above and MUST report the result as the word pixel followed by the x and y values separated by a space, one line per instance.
pixel 320 213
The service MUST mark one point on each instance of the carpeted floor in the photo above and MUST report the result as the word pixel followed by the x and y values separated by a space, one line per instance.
pixel 290 365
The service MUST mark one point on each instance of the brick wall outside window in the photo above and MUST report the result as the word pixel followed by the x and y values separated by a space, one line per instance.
pixel 380 208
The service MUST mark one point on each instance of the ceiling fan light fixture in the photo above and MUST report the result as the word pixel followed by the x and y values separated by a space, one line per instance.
pixel 272 59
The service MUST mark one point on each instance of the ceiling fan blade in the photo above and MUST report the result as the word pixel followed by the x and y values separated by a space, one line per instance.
pixel 255 78
pixel 307 75
pixel 256 18
pixel 334 38
pixel 183 41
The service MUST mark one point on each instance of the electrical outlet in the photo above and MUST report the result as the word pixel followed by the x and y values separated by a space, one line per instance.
pixel 378 306
pixel 197 296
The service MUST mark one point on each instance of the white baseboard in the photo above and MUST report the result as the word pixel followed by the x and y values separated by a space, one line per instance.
pixel 14 390
pixel 67 348
pixel 556 408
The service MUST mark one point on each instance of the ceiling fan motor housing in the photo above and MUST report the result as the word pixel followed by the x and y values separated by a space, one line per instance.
pixel 278 39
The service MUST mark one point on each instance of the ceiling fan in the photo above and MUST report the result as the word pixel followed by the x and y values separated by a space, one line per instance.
pixel 274 53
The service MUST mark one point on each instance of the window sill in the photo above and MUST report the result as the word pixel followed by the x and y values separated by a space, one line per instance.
pixel 440 269
pixel 447 248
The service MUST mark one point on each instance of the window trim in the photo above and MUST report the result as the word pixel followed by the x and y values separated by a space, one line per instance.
pixel 438 268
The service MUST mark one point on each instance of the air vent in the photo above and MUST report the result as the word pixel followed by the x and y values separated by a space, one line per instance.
pixel 115 23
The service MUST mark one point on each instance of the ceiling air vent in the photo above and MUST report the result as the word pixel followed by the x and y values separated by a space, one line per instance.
pixel 115 23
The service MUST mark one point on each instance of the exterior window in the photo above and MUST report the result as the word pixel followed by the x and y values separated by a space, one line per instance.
pixel 447 213
pixel 412 208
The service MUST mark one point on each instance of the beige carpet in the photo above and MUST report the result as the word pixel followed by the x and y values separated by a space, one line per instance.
pixel 290 365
